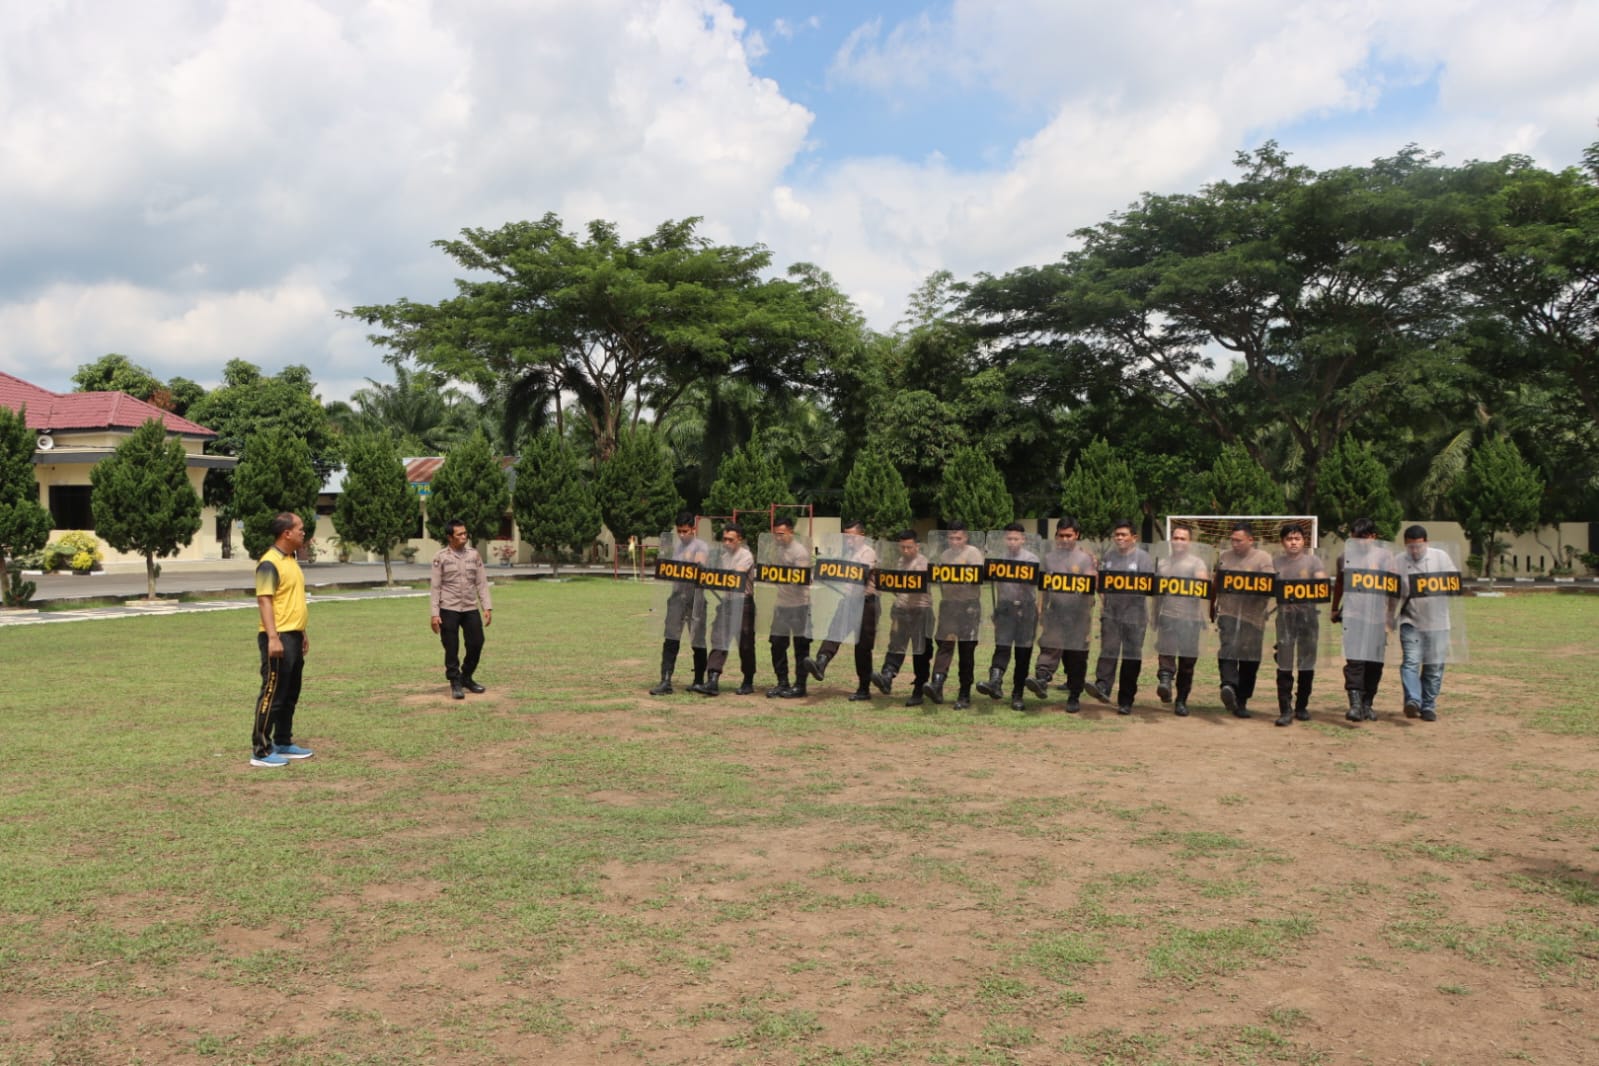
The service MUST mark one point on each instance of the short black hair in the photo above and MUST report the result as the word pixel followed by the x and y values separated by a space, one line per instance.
pixel 685 518
pixel 1068 523
pixel 783 520
pixel 1416 533
pixel 852 523
pixel 955 526
pixel 281 523
pixel 733 527
pixel 1015 527
pixel 1363 527
pixel 451 526
pixel 1124 523
pixel 905 534
pixel 1242 526
pixel 1292 527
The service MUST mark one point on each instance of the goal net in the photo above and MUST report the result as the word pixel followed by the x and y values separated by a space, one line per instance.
pixel 1215 528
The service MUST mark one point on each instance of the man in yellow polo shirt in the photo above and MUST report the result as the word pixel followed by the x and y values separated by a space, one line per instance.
pixel 280 595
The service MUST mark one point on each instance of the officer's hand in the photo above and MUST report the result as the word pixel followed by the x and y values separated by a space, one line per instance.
pixel 274 647
pixel 436 623
pixel 488 619
pixel 1335 615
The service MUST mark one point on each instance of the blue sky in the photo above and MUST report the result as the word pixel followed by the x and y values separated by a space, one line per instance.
pixel 188 182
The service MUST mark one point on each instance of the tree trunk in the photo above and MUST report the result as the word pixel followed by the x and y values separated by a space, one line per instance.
pixel 388 571
pixel 149 576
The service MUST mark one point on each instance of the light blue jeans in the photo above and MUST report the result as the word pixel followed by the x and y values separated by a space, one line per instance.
pixel 1421 672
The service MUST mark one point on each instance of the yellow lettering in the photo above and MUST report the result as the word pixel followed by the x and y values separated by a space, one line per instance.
pixel 1114 581
pixel 1083 584
pixel 1196 587
pixel 673 570
pixel 952 574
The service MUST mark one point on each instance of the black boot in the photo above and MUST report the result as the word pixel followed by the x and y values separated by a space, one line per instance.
pixel 1016 701
pixel 817 667
pixel 1038 685
pixel 935 688
pixel 915 698
pixel 1163 685
pixel 860 695
pixel 1367 711
pixel 1242 710
pixel 994 685
pixel 884 679
pixel 796 692
pixel 1285 712
pixel 747 688
pixel 665 687
pixel 701 656
pixel 1180 708
pixel 1302 698
pixel 781 688
pixel 1229 698
pixel 963 700
pixel 1073 704
pixel 709 686
pixel 1354 714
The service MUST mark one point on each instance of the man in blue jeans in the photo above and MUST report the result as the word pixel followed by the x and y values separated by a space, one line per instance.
pixel 1428 578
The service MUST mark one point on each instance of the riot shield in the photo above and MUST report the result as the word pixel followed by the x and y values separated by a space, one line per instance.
pixel 1302 589
pixel 956 572
pixel 1013 570
pixel 1069 582
pixel 843 572
pixel 1245 584
pixel 1371 590
pixel 679 599
pixel 783 563
pixel 1182 600
pixel 1432 600
pixel 902 583
pixel 725 579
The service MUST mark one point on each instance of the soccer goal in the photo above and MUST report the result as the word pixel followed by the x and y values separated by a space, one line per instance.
pixel 1214 528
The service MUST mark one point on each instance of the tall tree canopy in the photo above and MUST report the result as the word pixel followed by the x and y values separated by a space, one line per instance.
pixel 117 373
pixel 470 486
pixel 636 493
pixel 24 525
pixel 1499 491
pixel 622 326
pixel 142 500
pixel 377 509
pixel 875 494
pixel 274 475
pixel 973 491
pixel 553 500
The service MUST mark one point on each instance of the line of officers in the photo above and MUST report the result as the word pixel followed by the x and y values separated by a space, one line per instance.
pixel 953 588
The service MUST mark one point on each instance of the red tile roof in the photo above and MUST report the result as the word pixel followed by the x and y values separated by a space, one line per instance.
pixel 421 471
pixel 50 412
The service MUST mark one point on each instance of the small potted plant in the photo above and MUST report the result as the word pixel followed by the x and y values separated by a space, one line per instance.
pixel 504 551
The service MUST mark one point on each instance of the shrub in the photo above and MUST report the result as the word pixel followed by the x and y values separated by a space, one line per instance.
pixel 77 550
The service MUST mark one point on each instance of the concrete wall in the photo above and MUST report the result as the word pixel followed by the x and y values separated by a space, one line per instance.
pixel 204 545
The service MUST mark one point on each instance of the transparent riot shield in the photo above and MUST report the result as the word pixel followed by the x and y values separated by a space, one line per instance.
pixel 783 562
pixel 1431 615
pixel 725 581
pixel 1182 602
pixel 956 572
pixel 1126 584
pixel 1302 591
pixel 679 601
pixel 1069 582
pixel 1012 569
pixel 844 564
pixel 1245 579
pixel 1371 588
pixel 902 585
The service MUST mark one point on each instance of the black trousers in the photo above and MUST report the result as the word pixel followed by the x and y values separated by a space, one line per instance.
pixel 452 625
pixel 717 659
pixel 1363 676
pixel 865 642
pixel 280 693
pixel 1075 661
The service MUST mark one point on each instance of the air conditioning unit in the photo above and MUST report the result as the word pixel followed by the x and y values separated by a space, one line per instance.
pixel 45 442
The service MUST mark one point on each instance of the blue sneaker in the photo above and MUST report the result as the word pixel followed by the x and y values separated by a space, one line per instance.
pixel 270 759
pixel 292 751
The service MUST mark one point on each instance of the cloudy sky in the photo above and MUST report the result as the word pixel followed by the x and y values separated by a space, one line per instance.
pixel 191 181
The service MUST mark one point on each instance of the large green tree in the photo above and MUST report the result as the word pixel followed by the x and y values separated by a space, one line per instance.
pixel 623 327
pixel 1354 484
pixel 142 500
pixel 249 402
pixel 973 491
pixel 747 485
pixel 118 373
pixel 274 475
pixel 635 487
pixel 419 410
pixel 553 499
pixel 1498 491
pixel 1099 490
pixel 470 485
pixel 875 494
pixel 24 525
pixel 377 508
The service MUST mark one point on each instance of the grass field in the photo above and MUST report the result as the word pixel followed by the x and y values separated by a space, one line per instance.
pixel 568 870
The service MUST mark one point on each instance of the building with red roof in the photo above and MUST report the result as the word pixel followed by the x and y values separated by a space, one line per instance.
pixel 75 430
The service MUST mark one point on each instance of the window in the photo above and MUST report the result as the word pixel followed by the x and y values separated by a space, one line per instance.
pixel 69 506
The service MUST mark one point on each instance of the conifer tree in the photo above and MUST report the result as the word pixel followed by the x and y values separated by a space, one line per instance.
pixel 377 510
pixel 1498 491
pixel 24 525
pixel 1099 490
pixel 142 500
pixel 973 490
pixel 554 503
pixel 1354 484
pixel 875 493
pixel 747 484
pixel 470 486
pixel 274 475
pixel 637 495
pixel 1237 484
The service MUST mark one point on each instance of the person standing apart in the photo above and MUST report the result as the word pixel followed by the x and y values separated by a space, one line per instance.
pixel 1430 577
pixel 459 587
pixel 1365 597
pixel 283 641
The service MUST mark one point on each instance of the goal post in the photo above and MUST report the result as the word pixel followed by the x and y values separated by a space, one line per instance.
pixel 1214 528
